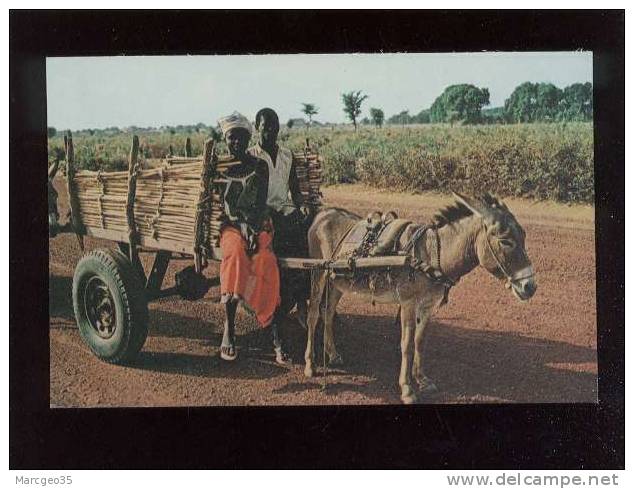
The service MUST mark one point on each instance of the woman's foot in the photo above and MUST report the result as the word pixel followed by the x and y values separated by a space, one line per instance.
pixel 228 346
pixel 228 352
pixel 281 358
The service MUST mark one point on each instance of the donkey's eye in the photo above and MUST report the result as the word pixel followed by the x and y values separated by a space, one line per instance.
pixel 507 243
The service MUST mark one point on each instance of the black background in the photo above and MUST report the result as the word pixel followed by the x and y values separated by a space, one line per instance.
pixel 433 436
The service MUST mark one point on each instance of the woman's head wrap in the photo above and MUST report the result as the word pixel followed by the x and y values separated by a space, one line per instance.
pixel 233 121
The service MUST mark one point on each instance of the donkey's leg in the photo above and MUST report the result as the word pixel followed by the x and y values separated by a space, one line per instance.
pixel 423 313
pixel 408 313
pixel 312 320
pixel 334 358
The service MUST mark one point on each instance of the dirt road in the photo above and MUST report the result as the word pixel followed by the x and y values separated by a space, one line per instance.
pixel 484 346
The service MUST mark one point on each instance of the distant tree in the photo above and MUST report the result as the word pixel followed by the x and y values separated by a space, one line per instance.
pixel 401 118
pixel 365 121
pixel 352 105
pixel 51 132
pixel 377 116
pixel 422 117
pixel 576 102
pixel 534 102
pixel 494 115
pixel 290 123
pixel 459 103
pixel 310 110
pixel 215 134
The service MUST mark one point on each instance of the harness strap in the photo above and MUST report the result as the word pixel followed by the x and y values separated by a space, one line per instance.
pixel 432 271
pixel 520 275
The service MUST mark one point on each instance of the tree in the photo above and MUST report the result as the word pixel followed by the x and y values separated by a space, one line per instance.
pixel 352 105
pixel 459 103
pixel 290 123
pixel 576 102
pixel 422 117
pixel 534 102
pixel 402 118
pixel 377 116
pixel 215 134
pixel 310 110
pixel 51 131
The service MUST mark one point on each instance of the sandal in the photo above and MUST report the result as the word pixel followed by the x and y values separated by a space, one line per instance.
pixel 228 352
pixel 282 358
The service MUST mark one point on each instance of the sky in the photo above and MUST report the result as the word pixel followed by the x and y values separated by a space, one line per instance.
pixel 152 91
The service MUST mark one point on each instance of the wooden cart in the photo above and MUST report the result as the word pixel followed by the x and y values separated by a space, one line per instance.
pixel 175 208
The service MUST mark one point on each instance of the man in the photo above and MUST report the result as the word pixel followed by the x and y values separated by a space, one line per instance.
pixel 284 201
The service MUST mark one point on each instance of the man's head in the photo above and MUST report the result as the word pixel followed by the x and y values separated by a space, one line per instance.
pixel 237 131
pixel 268 126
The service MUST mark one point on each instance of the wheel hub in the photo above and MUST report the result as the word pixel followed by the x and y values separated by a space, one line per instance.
pixel 99 307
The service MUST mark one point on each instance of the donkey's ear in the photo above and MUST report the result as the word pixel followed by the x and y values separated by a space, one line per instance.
pixel 52 170
pixel 474 205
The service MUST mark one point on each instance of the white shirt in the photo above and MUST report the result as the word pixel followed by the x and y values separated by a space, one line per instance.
pixel 278 195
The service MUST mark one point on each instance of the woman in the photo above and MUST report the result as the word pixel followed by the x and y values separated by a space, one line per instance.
pixel 248 271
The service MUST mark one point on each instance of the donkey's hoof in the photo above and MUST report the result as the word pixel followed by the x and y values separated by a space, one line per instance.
pixel 409 399
pixel 408 396
pixel 335 360
pixel 308 371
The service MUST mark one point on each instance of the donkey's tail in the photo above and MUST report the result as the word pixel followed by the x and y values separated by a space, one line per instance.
pixel 397 319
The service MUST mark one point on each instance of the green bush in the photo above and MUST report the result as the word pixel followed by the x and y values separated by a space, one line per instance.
pixel 541 161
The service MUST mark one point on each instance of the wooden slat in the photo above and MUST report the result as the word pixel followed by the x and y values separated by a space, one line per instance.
pixel 144 241
pixel 370 262
pixel 209 162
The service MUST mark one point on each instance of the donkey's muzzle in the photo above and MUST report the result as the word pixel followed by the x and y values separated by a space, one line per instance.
pixel 524 288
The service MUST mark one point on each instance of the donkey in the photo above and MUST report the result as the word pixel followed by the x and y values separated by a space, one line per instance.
pixel 471 232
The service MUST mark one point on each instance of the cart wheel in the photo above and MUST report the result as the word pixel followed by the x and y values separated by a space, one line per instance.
pixel 110 305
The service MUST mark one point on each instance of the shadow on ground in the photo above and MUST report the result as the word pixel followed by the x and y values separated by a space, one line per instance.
pixel 466 364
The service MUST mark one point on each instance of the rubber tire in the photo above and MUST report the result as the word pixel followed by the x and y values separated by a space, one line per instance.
pixel 131 312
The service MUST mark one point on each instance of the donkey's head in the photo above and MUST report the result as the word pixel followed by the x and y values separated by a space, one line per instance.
pixel 501 247
pixel 53 214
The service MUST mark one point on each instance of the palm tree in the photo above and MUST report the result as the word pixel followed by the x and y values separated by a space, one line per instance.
pixel 310 110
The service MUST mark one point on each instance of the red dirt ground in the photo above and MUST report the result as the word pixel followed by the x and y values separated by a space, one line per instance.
pixel 484 346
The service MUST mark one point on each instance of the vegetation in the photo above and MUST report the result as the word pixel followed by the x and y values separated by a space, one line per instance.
pixel 529 102
pixel 542 161
pixel 377 116
pixel 460 103
pixel 310 110
pixel 352 105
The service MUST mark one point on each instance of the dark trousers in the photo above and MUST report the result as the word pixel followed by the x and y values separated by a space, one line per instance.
pixel 290 239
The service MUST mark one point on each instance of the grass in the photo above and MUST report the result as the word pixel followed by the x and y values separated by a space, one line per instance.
pixel 535 161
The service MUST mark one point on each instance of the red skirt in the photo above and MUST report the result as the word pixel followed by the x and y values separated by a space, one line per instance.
pixel 254 279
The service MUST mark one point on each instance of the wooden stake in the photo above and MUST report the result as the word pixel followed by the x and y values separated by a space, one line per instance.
pixel 75 217
pixel 132 177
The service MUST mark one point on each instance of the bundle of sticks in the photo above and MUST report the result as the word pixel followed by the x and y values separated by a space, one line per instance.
pixel 168 198
pixel 165 203
pixel 308 168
